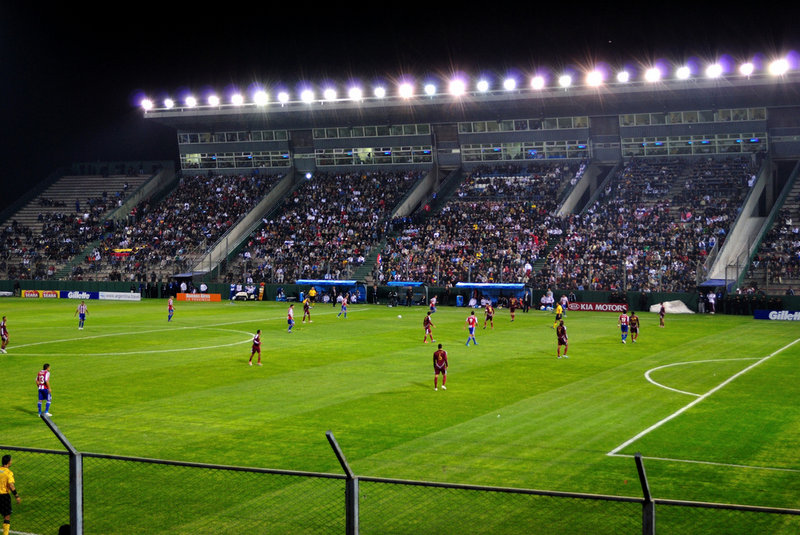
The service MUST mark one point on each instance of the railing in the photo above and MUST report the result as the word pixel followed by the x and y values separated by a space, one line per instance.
pixel 107 494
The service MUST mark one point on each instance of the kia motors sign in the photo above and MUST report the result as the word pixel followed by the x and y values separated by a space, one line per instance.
pixel 598 307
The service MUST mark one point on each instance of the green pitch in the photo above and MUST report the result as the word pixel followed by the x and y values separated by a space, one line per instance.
pixel 709 401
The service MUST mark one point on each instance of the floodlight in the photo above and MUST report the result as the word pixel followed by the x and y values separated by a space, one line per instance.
pixel 191 102
pixel 537 82
pixel 623 77
pixel 169 103
pixel 509 84
pixel 652 74
pixel 430 89
pixel 307 95
pixel 355 93
pixel 565 80
pixel 147 104
pixel 779 67
pixel 406 90
pixel 237 99
pixel 594 78
pixel 483 86
pixel 329 94
pixel 683 73
pixel 261 98
pixel 746 69
pixel 213 100
pixel 380 92
pixel 283 97
pixel 457 87
pixel 714 70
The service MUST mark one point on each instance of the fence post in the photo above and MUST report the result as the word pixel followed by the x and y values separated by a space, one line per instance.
pixel 351 488
pixel 649 506
pixel 75 479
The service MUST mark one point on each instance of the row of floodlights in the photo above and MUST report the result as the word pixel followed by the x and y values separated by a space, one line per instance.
pixel 458 86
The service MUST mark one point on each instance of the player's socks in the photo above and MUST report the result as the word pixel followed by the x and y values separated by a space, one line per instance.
pixel 47 408
pixel 40 408
pixel 6 526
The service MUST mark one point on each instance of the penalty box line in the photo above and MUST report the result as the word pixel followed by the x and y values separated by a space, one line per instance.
pixel 615 451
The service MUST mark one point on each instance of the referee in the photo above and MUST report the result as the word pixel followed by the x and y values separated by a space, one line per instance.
pixel 7 488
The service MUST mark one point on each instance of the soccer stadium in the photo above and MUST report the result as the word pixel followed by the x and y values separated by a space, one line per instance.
pixel 602 262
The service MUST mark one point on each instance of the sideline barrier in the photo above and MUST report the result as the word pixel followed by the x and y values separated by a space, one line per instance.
pixel 201 298
pixel 777 315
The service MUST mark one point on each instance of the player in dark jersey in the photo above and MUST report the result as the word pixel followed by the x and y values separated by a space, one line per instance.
pixel 561 334
pixel 634 321
pixel 307 309
pixel 512 307
pixel 3 335
pixel 427 325
pixel 623 326
pixel 439 365
pixel 256 347
pixel 489 315
pixel 661 312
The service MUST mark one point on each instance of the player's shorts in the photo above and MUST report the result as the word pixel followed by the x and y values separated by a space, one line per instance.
pixel 472 330
pixel 437 369
pixel 289 321
pixel 5 504
pixel 624 328
pixel 634 330
pixel 82 317
pixel 44 394
pixel 427 330
pixel 256 348
pixel 562 341
pixel 558 317
pixel 4 337
pixel 490 317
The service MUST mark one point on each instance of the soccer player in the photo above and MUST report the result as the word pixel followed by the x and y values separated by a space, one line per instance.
pixel 439 365
pixel 634 321
pixel 3 335
pixel 662 311
pixel 623 326
pixel 7 488
pixel 170 309
pixel 344 306
pixel 45 392
pixel 561 334
pixel 427 325
pixel 81 312
pixel 432 304
pixel 307 309
pixel 512 307
pixel 489 315
pixel 256 347
pixel 559 315
pixel 564 302
pixel 290 317
pixel 471 322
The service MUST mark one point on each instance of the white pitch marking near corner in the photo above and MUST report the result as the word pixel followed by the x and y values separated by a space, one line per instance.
pixel 650 379
pixel 728 465
pixel 685 408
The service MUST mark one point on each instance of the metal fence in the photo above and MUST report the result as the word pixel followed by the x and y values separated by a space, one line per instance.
pixel 135 495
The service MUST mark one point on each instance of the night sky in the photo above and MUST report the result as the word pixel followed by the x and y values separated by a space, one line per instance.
pixel 71 73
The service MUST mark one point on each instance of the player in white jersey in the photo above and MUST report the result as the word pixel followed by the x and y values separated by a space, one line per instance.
pixel 81 312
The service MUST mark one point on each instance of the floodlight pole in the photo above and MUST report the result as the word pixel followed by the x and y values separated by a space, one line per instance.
pixel 351 488
pixel 75 479
pixel 648 506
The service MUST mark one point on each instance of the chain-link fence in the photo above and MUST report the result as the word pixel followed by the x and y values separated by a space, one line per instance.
pixel 132 495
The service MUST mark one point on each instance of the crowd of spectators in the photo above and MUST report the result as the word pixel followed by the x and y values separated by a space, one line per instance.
pixel 492 230
pixel 169 235
pixel 325 228
pixel 652 227
pixel 778 258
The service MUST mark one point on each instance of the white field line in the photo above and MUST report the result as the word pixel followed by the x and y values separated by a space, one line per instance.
pixel 650 379
pixel 697 400
pixel 728 465
pixel 209 326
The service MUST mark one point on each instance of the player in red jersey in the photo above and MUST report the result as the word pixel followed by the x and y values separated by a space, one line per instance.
pixel 45 393
pixel 427 325
pixel 471 322
pixel 256 347
pixel 512 307
pixel 3 335
pixel 170 309
pixel 81 312
pixel 307 309
pixel 623 326
pixel 290 317
pixel 489 315
pixel 662 311
pixel 561 334
pixel 439 365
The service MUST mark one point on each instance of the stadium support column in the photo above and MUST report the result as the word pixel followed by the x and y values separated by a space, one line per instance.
pixel 648 506
pixel 351 488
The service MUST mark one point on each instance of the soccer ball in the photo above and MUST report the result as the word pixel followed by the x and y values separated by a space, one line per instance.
pixel 541 307
pixel 399 317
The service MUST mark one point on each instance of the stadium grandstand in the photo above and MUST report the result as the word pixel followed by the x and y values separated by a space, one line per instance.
pixel 663 184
